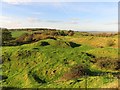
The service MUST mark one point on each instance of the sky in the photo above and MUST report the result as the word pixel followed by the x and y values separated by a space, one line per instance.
pixel 78 16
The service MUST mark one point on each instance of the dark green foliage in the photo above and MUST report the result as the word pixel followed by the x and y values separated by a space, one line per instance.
pixel 62 33
pixel 117 65
pixel 5 57
pixel 51 38
pixel 10 88
pixel 3 77
pixel 70 33
pixel 38 79
pixel 29 38
pixel 6 35
pixel 80 70
pixel 76 71
pixel 43 43
pixel 73 45
pixel 90 55
pixel 23 54
pixel 108 63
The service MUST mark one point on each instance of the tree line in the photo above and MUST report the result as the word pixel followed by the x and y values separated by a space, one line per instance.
pixel 38 34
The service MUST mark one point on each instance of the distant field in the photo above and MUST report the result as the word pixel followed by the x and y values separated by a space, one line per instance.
pixel 94 41
pixel 16 34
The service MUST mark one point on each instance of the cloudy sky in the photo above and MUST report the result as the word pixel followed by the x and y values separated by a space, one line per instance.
pixel 82 16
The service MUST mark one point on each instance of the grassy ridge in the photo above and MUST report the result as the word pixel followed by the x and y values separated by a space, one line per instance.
pixel 33 65
pixel 48 63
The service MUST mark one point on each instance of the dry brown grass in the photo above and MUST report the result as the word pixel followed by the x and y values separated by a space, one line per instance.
pixel 96 41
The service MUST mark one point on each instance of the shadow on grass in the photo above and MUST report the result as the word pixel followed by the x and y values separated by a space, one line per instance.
pixel 101 73
pixel 37 79
pixel 10 88
pixel 73 45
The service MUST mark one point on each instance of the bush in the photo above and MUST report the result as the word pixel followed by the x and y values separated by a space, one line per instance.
pixel 76 72
pixel 62 33
pixel 28 38
pixel 70 33
pixel 3 77
pixel 44 43
pixel 21 39
pixel 108 63
pixel 73 45
pixel 5 58
pixel 110 42
pixel 6 35
pixel 54 33
pixel 117 65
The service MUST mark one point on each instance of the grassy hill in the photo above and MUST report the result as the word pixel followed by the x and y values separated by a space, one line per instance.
pixel 68 62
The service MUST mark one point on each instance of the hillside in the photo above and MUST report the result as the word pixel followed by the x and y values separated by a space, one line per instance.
pixel 59 60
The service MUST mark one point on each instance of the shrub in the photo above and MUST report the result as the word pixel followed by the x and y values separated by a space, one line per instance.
pixel 54 33
pixel 105 63
pixel 108 63
pixel 73 45
pixel 76 72
pixel 6 35
pixel 3 77
pixel 37 79
pixel 21 39
pixel 28 38
pixel 70 33
pixel 21 54
pixel 44 43
pixel 51 38
pixel 62 33
pixel 110 42
pixel 117 65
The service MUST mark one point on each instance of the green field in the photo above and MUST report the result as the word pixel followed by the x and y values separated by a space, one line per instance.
pixel 18 33
pixel 50 63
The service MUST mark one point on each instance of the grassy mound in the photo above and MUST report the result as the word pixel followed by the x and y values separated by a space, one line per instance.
pixel 57 63
pixel 58 43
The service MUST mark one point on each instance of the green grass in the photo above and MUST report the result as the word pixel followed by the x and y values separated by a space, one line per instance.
pixel 105 52
pixel 16 34
pixel 33 65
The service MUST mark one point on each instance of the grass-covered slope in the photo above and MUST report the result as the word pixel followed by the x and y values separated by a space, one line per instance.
pixel 56 64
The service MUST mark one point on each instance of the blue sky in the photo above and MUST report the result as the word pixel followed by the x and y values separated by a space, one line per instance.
pixel 82 16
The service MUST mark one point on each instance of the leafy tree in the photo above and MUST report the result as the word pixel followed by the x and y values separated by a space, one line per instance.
pixel 62 33
pixel 6 35
pixel 70 33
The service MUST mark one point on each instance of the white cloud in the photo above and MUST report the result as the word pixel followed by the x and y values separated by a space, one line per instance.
pixel 53 21
pixel 9 22
pixel 37 13
pixel 112 23
pixel 17 1
pixel 4 19
pixel 26 1
pixel 32 22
